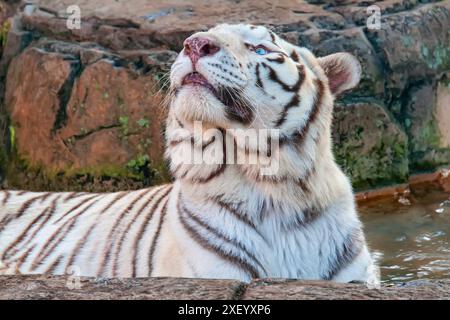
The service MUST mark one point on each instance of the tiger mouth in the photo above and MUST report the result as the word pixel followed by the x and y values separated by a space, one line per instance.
pixel 197 79
pixel 238 108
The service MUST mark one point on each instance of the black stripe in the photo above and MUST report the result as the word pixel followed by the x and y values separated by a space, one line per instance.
pixel 221 167
pixel 347 251
pixel 51 244
pixel 299 136
pixel 51 269
pixel 20 239
pixel 156 237
pixel 216 250
pixel 83 239
pixel 117 198
pixel 68 225
pixel 206 145
pixel 111 233
pixel 23 258
pixel 74 195
pixel 272 36
pixel 289 88
pixel 48 214
pixel 180 124
pixel 127 228
pixel 237 213
pixel 259 83
pixel 6 198
pixel 238 108
pixel 302 181
pixel 174 143
pixel 75 207
pixel 22 235
pixel 77 215
pixel 294 56
pixel 182 209
pixel 279 59
pixel 295 101
pixel 146 222
pixel 218 171
pixel 27 204
pixel 307 216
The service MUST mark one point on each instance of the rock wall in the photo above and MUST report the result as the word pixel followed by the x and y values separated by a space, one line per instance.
pixel 83 109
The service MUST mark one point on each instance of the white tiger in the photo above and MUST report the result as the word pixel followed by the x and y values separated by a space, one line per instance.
pixel 218 219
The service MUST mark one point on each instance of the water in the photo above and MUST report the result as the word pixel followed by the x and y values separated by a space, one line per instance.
pixel 410 237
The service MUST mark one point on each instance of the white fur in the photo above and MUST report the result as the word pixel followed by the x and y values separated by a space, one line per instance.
pixel 280 243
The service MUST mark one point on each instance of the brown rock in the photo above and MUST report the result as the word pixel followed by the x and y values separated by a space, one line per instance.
pixel 72 288
pixel 152 24
pixel 323 290
pixel 414 45
pixel 92 111
pixel 369 146
pixel 443 111
pixel 7 10
pixel 67 288
pixel 325 42
pixel 34 108
pixel 135 43
pixel 355 11
pixel 427 133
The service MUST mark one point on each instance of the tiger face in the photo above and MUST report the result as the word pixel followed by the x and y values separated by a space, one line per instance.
pixel 243 76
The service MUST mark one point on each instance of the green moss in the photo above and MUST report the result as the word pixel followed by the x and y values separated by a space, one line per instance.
pixel 439 57
pixel 407 41
pixel 83 131
pixel 386 163
pixel 138 163
pixel 4 29
pixel 120 103
pixel 429 160
pixel 143 123
pixel 371 157
pixel 425 152
pixel 124 126
pixel 12 136
pixel 102 178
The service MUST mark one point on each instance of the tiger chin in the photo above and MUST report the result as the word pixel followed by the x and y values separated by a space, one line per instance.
pixel 221 218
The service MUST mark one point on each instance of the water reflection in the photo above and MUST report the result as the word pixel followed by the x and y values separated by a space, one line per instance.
pixel 410 239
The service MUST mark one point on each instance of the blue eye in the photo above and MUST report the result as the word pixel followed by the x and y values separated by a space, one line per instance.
pixel 261 51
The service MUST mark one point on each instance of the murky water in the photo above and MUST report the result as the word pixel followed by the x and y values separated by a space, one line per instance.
pixel 411 239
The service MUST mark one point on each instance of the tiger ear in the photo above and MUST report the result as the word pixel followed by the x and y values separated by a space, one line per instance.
pixel 343 71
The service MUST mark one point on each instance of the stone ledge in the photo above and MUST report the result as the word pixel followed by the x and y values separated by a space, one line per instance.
pixel 71 288
pixel 438 180
pixel 59 287
pixel 327 290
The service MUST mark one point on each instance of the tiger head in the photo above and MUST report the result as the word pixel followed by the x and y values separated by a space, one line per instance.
pixel 240 77
pixel 235 76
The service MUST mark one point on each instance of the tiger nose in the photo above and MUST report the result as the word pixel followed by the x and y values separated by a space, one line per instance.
pixel 198 47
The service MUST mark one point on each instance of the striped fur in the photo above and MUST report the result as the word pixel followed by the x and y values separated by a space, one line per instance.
pixel 218 219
